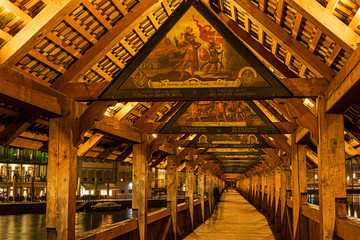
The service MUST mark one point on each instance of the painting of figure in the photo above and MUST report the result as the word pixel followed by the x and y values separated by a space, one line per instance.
pixel 193 54
pixel 220 113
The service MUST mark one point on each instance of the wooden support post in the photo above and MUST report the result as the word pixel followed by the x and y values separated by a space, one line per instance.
pixel 272 197
pixel 332 176
pixel 140 182
pixel 268 193
pixel 61 177
pixel 208 189
pixel 277 200
pixel 172 178
pixel 295 188
pixel 201 189
pixel 284 195
pixel 263 189
pixel 304 229
pixel 189 193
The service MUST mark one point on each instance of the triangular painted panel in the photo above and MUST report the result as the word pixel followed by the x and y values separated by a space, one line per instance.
pixel 228 141
pixel 232 151
pixel 219 117
pixel 194 56
pixel 236 158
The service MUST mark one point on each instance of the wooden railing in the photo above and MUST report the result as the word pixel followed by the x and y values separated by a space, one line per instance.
pixel 158 222
pixel 345 228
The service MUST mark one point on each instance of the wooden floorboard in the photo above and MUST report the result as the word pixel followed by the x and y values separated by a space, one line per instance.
pixel 234 218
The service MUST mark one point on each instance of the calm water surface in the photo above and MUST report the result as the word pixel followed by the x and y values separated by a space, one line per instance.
pixel 32 226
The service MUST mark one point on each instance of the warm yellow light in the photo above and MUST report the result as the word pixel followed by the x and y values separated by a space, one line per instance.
pixel 154 135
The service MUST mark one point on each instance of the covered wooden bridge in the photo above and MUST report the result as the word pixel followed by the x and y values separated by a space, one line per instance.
pixel 245 95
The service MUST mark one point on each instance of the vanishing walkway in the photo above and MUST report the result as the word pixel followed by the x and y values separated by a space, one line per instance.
pixel 233 218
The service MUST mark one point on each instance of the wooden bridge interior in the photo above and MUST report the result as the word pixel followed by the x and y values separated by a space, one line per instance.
pixel 58 56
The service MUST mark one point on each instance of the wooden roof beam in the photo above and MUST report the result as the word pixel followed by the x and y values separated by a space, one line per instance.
pixel 112 127
pixel 105 44
pixel 287 41
pixel 18 126
pixel 344 90
pixel 83 91
pixel 91 142
pixel 25 93
pixel 125 154
pixel 95 112
pixel 35 30
pixel 329 24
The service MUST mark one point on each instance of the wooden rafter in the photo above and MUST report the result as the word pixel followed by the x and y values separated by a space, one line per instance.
pixel 104 45
pixel 327 23
pixel 35 30
pixel 286 40
pixel 23 92
pixel 344 89
pixel 18 126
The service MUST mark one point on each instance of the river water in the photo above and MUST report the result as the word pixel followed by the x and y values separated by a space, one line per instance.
pixel 32 226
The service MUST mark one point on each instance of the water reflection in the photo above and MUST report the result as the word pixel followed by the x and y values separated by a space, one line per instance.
pixel 86 221
pixel 32 226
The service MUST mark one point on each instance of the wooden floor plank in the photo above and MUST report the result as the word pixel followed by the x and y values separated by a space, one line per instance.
pixel 234 218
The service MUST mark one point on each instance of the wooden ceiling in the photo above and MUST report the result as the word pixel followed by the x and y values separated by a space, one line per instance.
pixel 75 48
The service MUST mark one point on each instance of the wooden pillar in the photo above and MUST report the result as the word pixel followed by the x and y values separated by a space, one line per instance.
pixel 272 197
pixel 201 190
pixel 332 175
pixel 61 178
pixel 295 188
pixel 140 185
pixel 284 195
pixel 263 190
pixel 277 200
pixel 172 192
pixel 208 189
pixel 304 228
pixel 268 194
pixel 189 193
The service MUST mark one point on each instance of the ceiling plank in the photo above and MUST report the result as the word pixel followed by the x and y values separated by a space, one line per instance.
pixel 23 92
pixel 286 40
pixel 104 45
pixel 26 143
pixel 35 30
pixel 255 46
pixel 333 27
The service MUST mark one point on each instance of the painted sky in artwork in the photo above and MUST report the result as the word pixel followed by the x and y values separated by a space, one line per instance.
pixel 194 55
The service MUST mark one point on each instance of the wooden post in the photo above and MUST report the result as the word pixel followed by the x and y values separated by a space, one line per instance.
pixel 61 177
pixel 277 200
pixel 208 189
pixel 140 182
pixel 263 189
pixel 284 195
pixel 332 175
pixel 189 193
pixel 201 190
pixel 172 178
pixel 295 188
pixel 304 229
pixel 272 197
pixel 268 194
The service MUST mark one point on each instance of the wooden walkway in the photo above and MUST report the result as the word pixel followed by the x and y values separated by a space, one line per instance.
pixel 234 218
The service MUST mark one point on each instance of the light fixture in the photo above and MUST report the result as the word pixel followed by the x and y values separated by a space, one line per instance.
pixel 154 135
